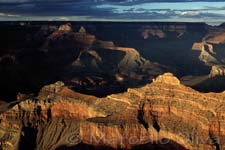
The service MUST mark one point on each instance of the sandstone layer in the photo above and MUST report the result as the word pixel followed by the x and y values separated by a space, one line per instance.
pixel 60 118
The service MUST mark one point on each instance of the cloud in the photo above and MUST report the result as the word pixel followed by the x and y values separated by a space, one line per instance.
pixel 8 15
pixel 64 18
pixel 119 2
pixel 201 15
pixel 112 10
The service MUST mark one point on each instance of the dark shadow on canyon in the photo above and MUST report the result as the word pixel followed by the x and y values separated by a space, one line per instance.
pixel 164 144
pixel 26 69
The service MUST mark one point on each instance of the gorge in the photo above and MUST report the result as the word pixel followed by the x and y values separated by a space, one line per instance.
pixel 111 85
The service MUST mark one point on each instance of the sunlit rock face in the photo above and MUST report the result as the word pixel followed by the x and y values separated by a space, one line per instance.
pixel 66 27
pixel 207 53
pixel 167 78
pixel 60 118
pixel 211 47
pixel 217 70
pixel 211 53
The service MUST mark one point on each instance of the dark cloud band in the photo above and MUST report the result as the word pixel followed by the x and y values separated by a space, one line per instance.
pixel 89 9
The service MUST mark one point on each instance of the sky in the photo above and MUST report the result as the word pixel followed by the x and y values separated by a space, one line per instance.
pixel 209 11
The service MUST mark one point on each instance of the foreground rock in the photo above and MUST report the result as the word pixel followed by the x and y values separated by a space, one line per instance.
pixel 60 118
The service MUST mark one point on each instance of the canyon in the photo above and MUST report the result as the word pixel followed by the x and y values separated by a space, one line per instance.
pixel 76 57
pixel 112 85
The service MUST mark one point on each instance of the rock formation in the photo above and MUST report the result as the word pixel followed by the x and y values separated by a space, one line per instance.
pixel 84 59
pixel 82 30
pixel 210 51
pixel 59 118
pixel 215 37
pixel 211 47
pixel 168 78
pixel 72 54
pixel 161 31
pixel 163 114
pixel 208 55
pixel 66 27
pixel 99 61
pixel 150 32
pixel 217 70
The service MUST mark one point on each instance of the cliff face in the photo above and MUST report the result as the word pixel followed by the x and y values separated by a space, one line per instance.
pixel 211 46
pixel 210 50
pixel 160 112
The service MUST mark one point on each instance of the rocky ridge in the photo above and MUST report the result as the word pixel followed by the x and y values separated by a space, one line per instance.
pixel 59 118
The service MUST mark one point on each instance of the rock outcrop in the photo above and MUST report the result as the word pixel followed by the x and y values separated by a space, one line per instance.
pixel 147 33
pixel 208 55
pixel 167 78
pixel 66 27
pixel 217 70
pixel 211 51
pixel 82 30
pixel 211 47
pixel 60 118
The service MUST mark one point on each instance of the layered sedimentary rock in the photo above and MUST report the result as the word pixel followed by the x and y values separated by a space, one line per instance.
pixel 59 118
pixel 211 53
pixel 207 52
pixel 208 55
pixel 167 78
pixel 211 47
